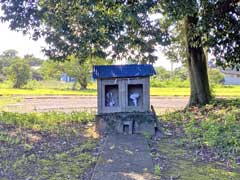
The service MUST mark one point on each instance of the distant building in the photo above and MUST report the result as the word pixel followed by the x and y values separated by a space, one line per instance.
pixel 65 78
pixel 231 77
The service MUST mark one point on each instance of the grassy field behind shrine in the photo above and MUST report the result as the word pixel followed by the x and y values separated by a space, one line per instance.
pixel 58 88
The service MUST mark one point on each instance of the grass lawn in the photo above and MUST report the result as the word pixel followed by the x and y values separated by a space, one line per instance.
pixel 233 91
pixel 8 92
pixel 199 143
pixel 58 88
pixel 47 146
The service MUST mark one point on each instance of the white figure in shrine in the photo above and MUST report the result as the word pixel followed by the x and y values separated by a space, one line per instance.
pixel 110 99
pixel 134 97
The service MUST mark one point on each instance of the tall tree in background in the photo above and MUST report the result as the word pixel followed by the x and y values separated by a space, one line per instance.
pixel 82 72
pixel 32 60
pixel 18 72
pixel 7 57
pixel 124 29
pixel 51 70
pixel 9 54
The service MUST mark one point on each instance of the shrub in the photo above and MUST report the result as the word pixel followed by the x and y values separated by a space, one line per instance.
pixel 18 72
pixel 215 126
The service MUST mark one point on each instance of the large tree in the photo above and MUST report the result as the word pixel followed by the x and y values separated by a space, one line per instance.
pixel 125 29
pixel 212 25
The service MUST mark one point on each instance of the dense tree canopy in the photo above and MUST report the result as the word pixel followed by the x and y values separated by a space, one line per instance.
pixel 217 26
pixel 89 27
pixel 121 29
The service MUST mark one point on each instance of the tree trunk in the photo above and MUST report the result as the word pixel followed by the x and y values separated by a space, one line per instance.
pixel 197 65
pixel 83 83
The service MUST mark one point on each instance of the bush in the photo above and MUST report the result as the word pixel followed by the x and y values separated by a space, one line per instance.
pixel 18 72
pixel 215 126
pixel 215 76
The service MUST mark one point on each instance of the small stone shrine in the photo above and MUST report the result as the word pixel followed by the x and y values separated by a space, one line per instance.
pixel 124 98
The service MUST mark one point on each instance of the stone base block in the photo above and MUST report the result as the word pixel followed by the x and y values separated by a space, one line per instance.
pixel 126 123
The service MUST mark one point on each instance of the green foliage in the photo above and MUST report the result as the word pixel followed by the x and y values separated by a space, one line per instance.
pixel 165 78
pixel 170 83
pixel 36 154
pixel 51 70
pixel 161 74
pixel 157 170
pixel 177 162
pixel 215 76
pixel 18 72
pixel 212 23
pixel 32 84
pixel 82 71
pixel 89 28
pixel 4 137
pixel 9 54
pixel 44 121
pixel 6 59
pixel 33 61
pixel 176 51
pixel 215 126
pixel 9 57
pixel 36 75
pixel 181 73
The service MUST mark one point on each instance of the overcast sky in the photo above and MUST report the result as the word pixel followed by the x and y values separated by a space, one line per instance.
pixel 16 40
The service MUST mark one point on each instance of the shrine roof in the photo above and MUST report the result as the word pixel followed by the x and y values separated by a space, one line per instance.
pixel 122 71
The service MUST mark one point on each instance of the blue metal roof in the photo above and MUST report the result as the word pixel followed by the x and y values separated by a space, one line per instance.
pixel 122 71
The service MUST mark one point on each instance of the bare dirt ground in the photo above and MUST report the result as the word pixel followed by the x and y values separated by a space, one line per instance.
pixel 84 103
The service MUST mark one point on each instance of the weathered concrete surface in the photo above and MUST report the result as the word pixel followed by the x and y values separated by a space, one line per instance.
pixel 124 157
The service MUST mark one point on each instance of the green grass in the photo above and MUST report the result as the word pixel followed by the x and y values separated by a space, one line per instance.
pixel 215 126
pixel 201 142
pixel 46 145
pixel 233 91
pixel 59 88
pixel 89 92
pixel 44 121
pixel 156 91
pixel 178 162
pixel 227 91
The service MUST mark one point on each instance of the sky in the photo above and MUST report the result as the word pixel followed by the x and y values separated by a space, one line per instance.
pixel 16 40
pixel 24 45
